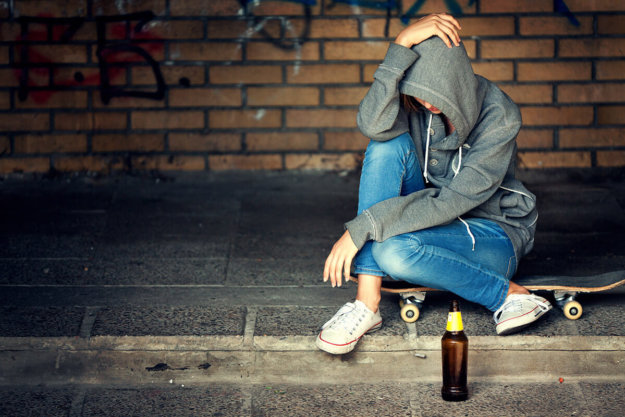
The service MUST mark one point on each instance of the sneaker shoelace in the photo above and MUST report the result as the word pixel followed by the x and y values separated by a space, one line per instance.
pixel 516 304
pixel 345 319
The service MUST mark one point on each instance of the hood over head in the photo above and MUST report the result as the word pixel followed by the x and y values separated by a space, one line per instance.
pixel 444 77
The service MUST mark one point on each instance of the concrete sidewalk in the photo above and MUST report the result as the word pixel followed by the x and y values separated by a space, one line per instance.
pixel 117 284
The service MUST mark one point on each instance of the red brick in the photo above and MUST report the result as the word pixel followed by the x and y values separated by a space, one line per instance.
pixel 282 141
pixel 591 47
pixel 50 143
pixel 612 25
pixel 89 163
pixel 344 141
pixel 123 7
pixel 125 102
pixel 486 26
pixel 237 119
pixel 374 28
pixel 323 74
pixel 11 165
pixel 471 47
pixel 124 143
pixel 534 160
pixel 61 53
pixel 205 8
pixel 253 74
pixel 4 10
pixel 548 116
pixel 554 25
pixel 334 28
pixel 264 51
pixel 595 5
pixel 4 55
pixel 321 118
pixel 280 8
pixel 535 138
pixel 205 51
pixel 172 74
pixel 220 142
pixel 54 100
pixel 610 70
pixel 611 159
pixel 355 50
pixel 29 122
pixel 553 71
pixel 167 119
pixel 515 6
pixel 529 93
pixel 328 161
pixel 282 96
pixel 5 145
pixel 611 115
pixel 5 100
pixel 178 29
pixel 169 163
pixel 494 71
pixel 67 8
pixel 206 97
pixel 244 162
pixel 534 48
pixel 344 96
pixel 90 121
pixel 592 138
pixel 228 29
pixel 591 93
pixel 9 78
pixel 368 71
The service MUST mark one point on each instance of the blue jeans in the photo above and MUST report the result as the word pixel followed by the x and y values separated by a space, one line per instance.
pixel 441 257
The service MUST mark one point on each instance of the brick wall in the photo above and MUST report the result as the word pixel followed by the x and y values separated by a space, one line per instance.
pixel 100 85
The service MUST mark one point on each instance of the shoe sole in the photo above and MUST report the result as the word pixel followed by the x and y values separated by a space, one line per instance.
pixel 342 349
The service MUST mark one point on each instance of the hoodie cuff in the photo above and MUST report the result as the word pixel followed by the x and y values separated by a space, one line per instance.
pixel 399 57
pixel 360 229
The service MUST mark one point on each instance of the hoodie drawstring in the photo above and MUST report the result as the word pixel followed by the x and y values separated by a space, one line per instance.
pixel 456 170
pixel 427 150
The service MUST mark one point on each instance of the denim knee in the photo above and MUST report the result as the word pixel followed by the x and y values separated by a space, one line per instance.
pixel 397 147
pixel 391 255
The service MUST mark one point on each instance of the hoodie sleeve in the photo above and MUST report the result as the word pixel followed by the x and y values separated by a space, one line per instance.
pixel 483 170
pixel 380 116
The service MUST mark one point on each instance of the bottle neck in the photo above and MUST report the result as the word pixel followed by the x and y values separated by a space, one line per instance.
pixel 454 322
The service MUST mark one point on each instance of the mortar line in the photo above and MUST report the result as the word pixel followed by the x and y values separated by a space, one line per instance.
pixel 250 325
pixel 88 320
pixel 78 402
pixel 246 404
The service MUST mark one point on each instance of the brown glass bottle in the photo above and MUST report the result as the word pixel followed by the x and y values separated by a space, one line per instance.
pixel 455 348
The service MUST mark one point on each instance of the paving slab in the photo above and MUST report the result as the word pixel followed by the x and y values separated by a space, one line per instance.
pixel 165 320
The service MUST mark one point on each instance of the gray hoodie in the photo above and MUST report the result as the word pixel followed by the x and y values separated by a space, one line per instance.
pixel 469 173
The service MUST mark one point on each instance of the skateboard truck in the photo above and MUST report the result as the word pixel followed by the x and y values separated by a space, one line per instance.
pixel 565 300
pixel 411 304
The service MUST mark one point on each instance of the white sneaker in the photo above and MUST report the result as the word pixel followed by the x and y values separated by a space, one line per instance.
pixel 518 311
pixel 341 333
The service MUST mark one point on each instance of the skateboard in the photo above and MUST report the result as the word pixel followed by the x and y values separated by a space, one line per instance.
pixel 564 289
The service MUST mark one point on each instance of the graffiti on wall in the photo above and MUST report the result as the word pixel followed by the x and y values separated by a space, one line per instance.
pixel 40 74
pixel 126 39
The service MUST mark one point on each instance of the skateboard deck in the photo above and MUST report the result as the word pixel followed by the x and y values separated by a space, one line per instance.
pixel 564 289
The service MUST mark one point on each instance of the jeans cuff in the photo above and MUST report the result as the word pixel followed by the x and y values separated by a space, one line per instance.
pixel 368 271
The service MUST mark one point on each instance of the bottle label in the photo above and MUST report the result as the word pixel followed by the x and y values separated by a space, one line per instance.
pixel 454 322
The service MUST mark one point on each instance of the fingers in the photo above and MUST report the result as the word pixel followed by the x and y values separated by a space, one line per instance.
pixel 339 260
pixel 446 28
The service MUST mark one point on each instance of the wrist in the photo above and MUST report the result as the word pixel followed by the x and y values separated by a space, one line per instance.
pixel 403 41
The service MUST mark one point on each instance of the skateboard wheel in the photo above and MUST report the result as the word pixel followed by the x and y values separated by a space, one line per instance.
pixel 409 313
pixel 573 310
pixel 401 303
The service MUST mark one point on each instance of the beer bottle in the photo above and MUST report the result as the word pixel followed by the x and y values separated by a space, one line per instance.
pixel 455 348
